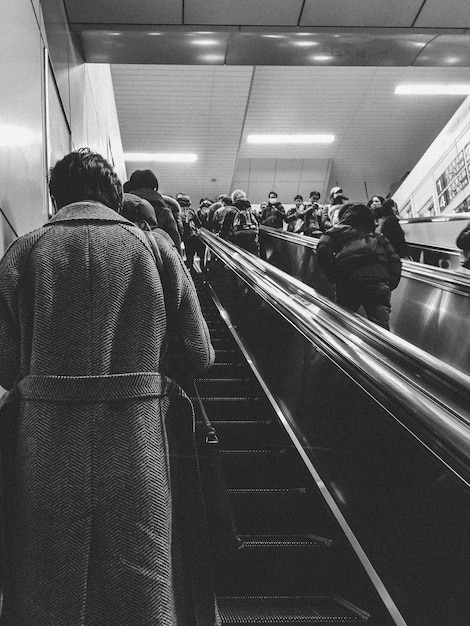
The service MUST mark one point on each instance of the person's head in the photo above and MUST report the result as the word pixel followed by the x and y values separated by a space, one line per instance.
pixel 272 197
pixel 141 179
pixel 358 216
pixel 263 205
pixel 138 210
pixel 226 200
pixel 84 175
pixel 337 196
pixel 375 202
pixel 314 197
pixel 389 207
pixel 298 200
pixel 183 200
pixel 238 194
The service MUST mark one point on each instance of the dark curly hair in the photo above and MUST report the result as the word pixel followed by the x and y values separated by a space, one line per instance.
pixel 85 175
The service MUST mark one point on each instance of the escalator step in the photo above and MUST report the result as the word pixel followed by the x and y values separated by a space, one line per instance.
pixel 232 387
pixel 285 541
pixel 225 356
pixel 262 468
pixel 281 510
pixel 289 610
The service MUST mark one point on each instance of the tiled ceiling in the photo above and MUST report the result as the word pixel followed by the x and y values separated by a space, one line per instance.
pixel 199 75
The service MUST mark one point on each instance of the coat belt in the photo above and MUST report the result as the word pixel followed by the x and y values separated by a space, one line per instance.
pixel 94 388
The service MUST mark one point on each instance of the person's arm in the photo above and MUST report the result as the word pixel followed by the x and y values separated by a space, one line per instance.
pixel 326 257
pixel 393 262
pixel 227 224
pixel 189 346
pixel 9 324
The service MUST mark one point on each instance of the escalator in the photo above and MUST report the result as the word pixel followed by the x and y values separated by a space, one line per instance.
pixel 430 307
pixel 292 563
pixel 347 435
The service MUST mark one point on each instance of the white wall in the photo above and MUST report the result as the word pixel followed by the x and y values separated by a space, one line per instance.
pixel 85 106
pixel 422 184
pixel 287 177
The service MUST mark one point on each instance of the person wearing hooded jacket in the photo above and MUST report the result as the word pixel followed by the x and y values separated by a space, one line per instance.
pixel 144 183
pixel 362 263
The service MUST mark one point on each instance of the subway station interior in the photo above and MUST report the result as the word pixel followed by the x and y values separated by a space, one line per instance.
pixel 342 448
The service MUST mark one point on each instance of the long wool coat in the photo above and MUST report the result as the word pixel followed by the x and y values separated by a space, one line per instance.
pixel 103 520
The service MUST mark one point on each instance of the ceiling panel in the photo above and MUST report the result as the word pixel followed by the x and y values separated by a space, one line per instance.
pixel 125 12
pixel 195 109
pixel 254 12
pixel 448 14
pixel 365 13
pixel 211 110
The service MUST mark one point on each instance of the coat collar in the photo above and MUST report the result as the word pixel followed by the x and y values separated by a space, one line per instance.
pixel 89 210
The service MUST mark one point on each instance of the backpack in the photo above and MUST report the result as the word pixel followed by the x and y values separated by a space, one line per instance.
pixel 362 250
pixel 244 221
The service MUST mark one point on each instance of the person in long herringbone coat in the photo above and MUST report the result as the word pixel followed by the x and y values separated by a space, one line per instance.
pixel 103 521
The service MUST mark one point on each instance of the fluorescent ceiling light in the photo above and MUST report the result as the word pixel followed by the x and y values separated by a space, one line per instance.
pixel 204 42
pixel 290 138
pixel 161 157
pixel 450 89
pixel 305 44
pixel 322 57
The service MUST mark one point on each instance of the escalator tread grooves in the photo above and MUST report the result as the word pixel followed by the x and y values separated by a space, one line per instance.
pixel 282 610
pixel 288 541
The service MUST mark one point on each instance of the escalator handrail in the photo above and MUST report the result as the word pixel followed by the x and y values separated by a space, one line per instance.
pixel 428 397
pixel 451 280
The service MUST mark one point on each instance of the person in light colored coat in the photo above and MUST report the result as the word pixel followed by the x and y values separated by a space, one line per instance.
pixel 103 518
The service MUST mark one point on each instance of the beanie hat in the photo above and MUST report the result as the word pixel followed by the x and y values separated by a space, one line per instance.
pixel 137 209
pixel 358 216
pixel 141 179
pixel 183 199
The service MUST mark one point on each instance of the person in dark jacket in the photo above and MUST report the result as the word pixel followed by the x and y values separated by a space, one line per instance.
pixel 99 528
pixel 274 215
pixel 240 225
pixel 144 183
pixel 389 226
pixel 191 224
pixel 362 263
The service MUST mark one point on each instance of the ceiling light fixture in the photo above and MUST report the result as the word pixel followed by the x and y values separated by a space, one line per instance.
pixel 322 57
pixel 161 157
pixel 205 42
pixel 270 139
pixel 305 44
pixel 433 89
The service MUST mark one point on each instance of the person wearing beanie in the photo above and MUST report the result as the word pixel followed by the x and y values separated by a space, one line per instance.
pixel 361 263
pixel 144 183
pixel 330 211
pixel 141 213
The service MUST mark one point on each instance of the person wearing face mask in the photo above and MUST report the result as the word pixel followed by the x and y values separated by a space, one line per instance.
pixel 274 215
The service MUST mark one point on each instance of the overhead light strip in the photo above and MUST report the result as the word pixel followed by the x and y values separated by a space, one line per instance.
pixel 433 89
pixel 294 139
pixel 161 157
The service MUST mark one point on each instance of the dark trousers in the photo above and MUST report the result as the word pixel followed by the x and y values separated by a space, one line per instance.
pixel 372 295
